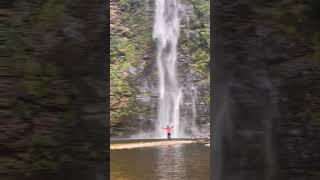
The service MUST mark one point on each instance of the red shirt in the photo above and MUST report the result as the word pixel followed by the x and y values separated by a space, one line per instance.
pixel 168 130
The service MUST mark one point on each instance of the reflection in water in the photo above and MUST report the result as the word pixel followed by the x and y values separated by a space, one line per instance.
pixel 170 164
pixel 183 162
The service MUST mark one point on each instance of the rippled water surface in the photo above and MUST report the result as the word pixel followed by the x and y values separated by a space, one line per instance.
pixel 172 162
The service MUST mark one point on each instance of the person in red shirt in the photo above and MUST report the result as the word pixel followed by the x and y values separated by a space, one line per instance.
pixel 168 131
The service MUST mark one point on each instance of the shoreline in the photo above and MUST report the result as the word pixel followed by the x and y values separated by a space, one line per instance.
pixel 141 144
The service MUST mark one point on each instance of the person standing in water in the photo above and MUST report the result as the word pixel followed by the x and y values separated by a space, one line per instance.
pixel 168 131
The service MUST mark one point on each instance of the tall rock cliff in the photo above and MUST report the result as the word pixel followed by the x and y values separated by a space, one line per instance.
pixel 53 89
pixel 266 90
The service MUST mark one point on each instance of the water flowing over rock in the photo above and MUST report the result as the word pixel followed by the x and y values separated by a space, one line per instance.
pixel 174 98
pixel 166 34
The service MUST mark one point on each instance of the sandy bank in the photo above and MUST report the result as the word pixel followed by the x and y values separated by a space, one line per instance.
pixel 148 144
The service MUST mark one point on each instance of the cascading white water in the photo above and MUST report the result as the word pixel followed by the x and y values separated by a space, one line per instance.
pixel 166 33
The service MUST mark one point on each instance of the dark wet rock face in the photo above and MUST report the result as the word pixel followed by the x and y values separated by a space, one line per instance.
pixel 265 96
pixel 300 128
pixel 53 91
pixel 7 4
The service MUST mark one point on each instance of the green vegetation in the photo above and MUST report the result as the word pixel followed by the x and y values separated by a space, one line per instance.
pixel 129 41
pixel 200 46
pixel 201 62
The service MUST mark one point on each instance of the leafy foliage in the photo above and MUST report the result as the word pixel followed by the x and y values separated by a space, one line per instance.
pixel 201 59
pixel 127 46
pixel 200 48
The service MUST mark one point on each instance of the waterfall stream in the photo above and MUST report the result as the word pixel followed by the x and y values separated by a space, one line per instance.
pixel 166 33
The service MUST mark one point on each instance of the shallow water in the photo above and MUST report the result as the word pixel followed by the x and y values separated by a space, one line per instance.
pixel 172 162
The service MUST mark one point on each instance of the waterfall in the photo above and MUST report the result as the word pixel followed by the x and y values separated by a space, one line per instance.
pixel 166 33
